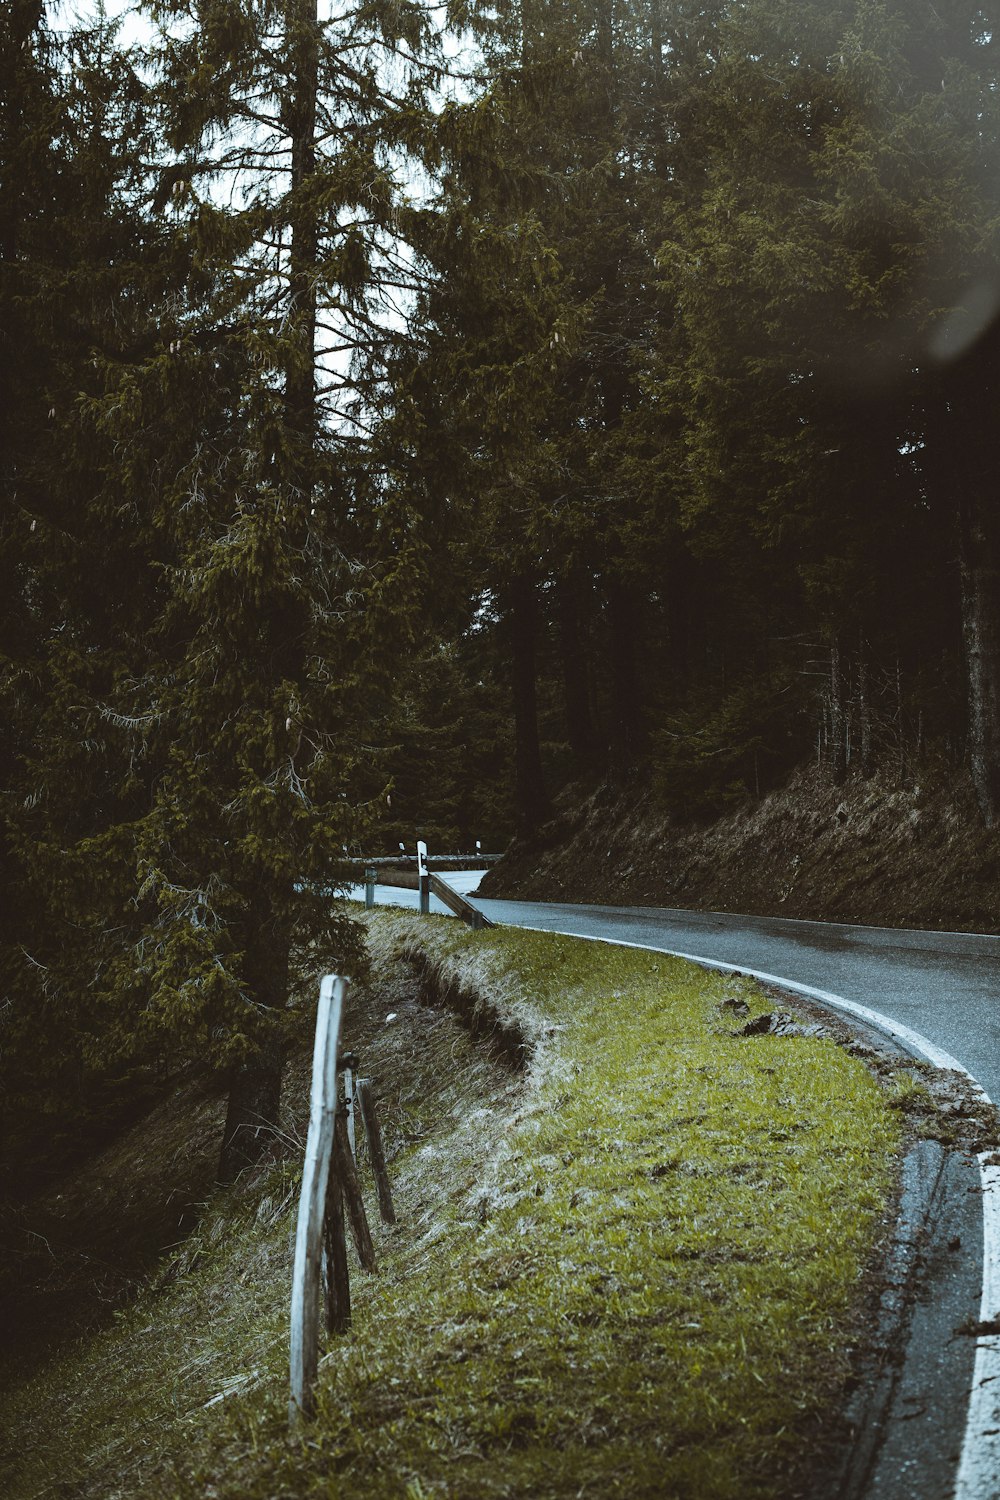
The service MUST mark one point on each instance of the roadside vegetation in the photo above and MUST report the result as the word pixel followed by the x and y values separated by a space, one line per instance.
pixel 630 1249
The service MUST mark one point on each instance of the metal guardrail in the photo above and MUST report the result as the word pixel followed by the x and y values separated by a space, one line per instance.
pixel 440 861
pixel 412 880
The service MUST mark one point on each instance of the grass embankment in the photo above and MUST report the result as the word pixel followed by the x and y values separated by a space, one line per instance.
pixel 628 1268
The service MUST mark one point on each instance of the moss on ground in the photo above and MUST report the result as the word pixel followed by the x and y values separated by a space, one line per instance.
pixel 629 1269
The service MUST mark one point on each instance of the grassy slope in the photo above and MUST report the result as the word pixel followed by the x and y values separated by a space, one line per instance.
pixel 627 1270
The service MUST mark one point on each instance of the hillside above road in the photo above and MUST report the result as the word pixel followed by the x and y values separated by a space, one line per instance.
pixel 869 851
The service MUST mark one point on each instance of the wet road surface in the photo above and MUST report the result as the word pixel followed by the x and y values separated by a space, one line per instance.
pixel 942 984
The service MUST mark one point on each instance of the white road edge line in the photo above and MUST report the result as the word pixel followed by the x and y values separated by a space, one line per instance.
pixel 704 911
pixel 979 1466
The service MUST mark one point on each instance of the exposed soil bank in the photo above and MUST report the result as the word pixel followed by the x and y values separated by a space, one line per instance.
pixel 869 852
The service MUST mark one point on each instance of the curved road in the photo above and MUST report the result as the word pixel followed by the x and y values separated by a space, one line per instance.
pixel 945 986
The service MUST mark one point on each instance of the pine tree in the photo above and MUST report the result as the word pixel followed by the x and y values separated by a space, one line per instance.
pixel 68 232
pixel 219 569
pixel 29 108
pixel 818 232
pixel 270 627
pixel 538 327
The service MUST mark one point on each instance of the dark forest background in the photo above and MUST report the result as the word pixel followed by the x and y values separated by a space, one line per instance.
pixel 395 431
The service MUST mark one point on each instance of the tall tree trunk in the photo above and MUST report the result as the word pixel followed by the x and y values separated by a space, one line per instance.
pixel 626 709
pixel 656 44
pixel 300 376
pixel 529 31
pixel 252 1111
pixel 680 589
pixel 838 716
pixel 605 43
pixel 254 1103
pixel 865 706
pixel 255 1086
pixel 531 802
pixel 967 402
pixel 979 561
pixel 575 647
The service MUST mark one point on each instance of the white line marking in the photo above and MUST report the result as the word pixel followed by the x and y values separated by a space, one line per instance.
pixel 979 1470
pixel 979 1467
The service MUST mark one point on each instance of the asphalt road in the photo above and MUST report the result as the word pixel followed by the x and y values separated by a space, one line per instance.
pixel 945 985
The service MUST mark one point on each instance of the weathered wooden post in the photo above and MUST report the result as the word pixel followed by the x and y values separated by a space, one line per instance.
pixel 347 1174
pixel 304 1350
pixel 371 875
pixel 376 1150
pixel 349 1064
pixel 423 878
pixel 338 1278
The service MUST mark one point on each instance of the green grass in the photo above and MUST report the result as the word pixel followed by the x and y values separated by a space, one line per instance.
pixel 630 1270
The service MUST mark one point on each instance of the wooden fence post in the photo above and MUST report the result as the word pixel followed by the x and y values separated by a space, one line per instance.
pixel 347 1174
pixel 349 1064
pixel 371 875
pixel 338 1276
pixel 304 1343
pixel 366 1103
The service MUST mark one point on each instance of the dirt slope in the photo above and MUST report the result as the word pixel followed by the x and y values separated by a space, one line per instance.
pixel 869 852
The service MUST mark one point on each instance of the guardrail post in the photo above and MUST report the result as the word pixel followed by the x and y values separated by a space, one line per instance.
pixel 304 1341
pixel 424 878
pixel 371 875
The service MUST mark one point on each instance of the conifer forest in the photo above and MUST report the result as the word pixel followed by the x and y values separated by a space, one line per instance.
pixel 411 409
